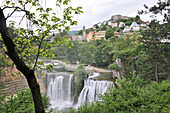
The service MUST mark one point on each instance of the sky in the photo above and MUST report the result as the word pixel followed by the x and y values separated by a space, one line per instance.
pixel 101 10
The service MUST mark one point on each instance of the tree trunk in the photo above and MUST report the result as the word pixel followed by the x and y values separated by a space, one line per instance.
pixel 156 71
pixel 21 66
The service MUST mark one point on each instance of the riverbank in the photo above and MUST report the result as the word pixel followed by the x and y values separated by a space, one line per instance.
pixel 73 67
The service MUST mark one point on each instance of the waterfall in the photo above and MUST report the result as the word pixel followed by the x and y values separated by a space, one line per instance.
pixel 59 89
pixel 92 89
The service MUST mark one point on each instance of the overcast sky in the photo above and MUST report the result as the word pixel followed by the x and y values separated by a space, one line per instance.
pixel 100 10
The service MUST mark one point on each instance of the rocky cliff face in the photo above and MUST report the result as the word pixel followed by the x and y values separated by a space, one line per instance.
pixel 118 74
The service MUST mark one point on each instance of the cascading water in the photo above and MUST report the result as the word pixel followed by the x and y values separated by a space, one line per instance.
pixel 60 90
pixel 92 89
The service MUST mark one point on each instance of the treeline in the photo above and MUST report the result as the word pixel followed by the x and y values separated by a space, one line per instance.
pixel 135 56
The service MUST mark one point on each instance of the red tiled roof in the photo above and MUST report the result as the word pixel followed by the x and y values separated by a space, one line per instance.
pixel 91 32
pixel 101 32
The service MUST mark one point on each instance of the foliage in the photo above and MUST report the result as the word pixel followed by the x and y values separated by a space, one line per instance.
pixel 146 66
pixel 22 102
pixel 31 42
pixel 2 62
pixel 79 76
pixel 72 53
pixel 80 32
pixel 63 33
pixel 132 97
pixel 109 33
pixel 86 53
pixel 155 50
pixel 102 59
pixel 114 66
pixel 25 50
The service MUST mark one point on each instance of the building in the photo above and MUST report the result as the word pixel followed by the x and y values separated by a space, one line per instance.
pixel 99 24
pixel 134 26
pixel 105 22
pixel 110 22
pixel 126 29
pixel 90 36
pixel 77 37
pixel 99 35
pixel 118 16
pixel 114 24
pixel 121 24
pixel 143 24
pixel 116 33
pixel 84 33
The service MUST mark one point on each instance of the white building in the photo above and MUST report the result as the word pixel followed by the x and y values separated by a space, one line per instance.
pixel 126 29
pixel 121 24
pixel 134 26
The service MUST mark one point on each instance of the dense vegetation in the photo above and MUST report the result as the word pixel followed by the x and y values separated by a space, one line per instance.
pixel 79 76
pixel 132 97
pixel 22 102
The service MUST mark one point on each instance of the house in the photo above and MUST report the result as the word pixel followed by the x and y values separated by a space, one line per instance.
pixel 104 22
pixel 99 35
pixel 134 26
pixel 99 24
pixel 118 16
pixel 116 33
pixel 77 37
pixel 126 29
pixel 114 24
pixel 143 24
pixel 139 21
pixel 121 24
pixel 90 36
pixel 109 22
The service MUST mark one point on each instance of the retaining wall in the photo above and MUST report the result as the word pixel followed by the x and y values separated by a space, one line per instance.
pixel 14 86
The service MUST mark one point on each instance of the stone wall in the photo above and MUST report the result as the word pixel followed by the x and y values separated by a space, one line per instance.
pixel 14 86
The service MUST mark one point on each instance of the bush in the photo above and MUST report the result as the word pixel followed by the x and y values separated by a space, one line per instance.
pixel 114 66
pixel 22 103
pixel 2 62
pixel 132 97
pixel 80 75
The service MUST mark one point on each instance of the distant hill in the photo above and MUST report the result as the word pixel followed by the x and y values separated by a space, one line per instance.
pixel 71 33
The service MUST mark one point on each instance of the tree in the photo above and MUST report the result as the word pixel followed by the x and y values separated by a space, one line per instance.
pixel 72 53
pixel 79 76
pixel 86 53
pixel 109 33
pixel 42 20
pixel 63 33
pixel 137 17
pixel 156 50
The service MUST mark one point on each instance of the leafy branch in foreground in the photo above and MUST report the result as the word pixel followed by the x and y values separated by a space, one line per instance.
pixel 29 44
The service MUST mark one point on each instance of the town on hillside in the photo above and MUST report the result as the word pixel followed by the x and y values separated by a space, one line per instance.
pixel 119 24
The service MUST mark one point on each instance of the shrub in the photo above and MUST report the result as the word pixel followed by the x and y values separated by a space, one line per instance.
pixel 21 103
pixel 80 75
pixel 114 66
pixel 132 97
